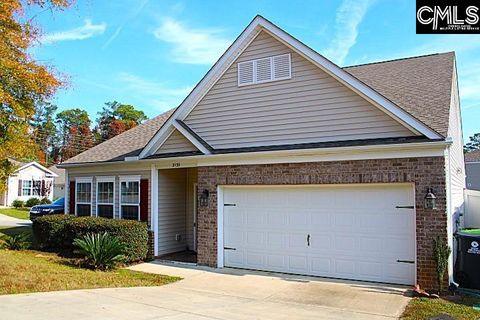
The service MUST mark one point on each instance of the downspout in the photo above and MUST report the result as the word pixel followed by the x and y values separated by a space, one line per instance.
pixel 450 235
pixel 66 200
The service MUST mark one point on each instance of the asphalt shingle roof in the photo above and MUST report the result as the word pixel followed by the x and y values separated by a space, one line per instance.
pixel 128 144
pixel 473 156
pixel 419 85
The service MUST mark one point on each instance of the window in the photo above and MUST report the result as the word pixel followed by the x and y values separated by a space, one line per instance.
pixel 37 188
pixel 105 197
pixel 130 198
pixel 26 187
pixel 31 188
pixel 83 201
pixel 264 70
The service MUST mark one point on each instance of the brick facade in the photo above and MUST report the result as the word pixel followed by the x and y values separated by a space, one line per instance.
pixel 423 172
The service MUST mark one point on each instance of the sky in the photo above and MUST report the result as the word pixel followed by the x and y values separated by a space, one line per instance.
pixel 151 53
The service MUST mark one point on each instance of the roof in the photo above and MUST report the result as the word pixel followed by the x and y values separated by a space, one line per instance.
pixel 59 172
pixel 17 163
pixel 126 144
pixel 420 85
pixel 472 156
pixel 35 164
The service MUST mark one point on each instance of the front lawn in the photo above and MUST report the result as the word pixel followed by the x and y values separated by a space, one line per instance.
pixel 36 271
pixel 16 213
pixel 423 308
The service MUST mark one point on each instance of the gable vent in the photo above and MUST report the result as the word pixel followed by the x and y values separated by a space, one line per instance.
pixel 264 70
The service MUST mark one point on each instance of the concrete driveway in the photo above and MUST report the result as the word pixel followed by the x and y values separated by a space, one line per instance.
pixel 211 294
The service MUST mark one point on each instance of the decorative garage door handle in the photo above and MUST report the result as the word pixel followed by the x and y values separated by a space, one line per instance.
pixel 404 207
pixel 228 248
pixel 308 240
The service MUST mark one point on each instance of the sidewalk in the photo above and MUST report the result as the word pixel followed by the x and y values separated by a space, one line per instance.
pixel 6 221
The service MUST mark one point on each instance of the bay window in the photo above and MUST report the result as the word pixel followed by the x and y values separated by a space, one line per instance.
pixel 105 197
pixel 130 198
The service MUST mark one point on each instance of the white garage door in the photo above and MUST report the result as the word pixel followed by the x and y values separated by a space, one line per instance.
pixel 349 232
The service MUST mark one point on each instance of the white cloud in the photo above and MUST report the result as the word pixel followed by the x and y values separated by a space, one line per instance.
pixel 192 46
pixel 158 94
pixel 349 16
pixel 86 31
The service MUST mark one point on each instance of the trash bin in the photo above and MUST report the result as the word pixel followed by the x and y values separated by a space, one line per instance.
pixel 467 268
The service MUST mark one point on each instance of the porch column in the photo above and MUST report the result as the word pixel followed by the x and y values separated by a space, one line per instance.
pixel 154 207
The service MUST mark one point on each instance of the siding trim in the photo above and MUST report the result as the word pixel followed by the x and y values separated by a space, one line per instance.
pixel 240 44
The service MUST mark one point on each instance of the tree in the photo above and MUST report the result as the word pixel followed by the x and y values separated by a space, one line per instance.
pixel 24 83
pixel 44 131
pixel 116 118
pixel 473 144
pixel 73 128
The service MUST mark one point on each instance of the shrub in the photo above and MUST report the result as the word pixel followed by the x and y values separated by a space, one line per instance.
pixel 102 251
pixel 32 202
pixel 45 201
pixel 18 204
pixel 18 241
pixel 441 252
pixel 57 232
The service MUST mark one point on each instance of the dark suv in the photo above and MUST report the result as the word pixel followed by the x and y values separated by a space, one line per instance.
pixel 56 207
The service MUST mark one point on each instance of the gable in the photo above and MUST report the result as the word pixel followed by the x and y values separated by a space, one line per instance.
pixel 176 143
pixel 310 107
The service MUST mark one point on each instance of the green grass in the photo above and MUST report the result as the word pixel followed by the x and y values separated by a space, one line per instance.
pixel 36 271
pixel 15 213
pixel 461 308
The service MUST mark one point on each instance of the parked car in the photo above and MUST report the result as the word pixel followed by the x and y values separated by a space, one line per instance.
pixel 56 207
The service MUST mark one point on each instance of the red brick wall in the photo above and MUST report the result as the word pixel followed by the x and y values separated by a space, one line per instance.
pixel 423 172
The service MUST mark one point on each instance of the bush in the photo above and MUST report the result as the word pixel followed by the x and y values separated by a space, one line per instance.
pixel 57 232
pixel 18 204
pixel 32 202
pixel 45 201
pixel 18 241
pixel 101 250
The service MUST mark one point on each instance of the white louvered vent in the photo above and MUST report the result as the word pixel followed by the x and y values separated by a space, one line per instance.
pixel 264 70
pixel 281 67
pixel 245 73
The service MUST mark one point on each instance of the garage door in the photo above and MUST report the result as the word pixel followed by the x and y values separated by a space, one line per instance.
pixel 349 232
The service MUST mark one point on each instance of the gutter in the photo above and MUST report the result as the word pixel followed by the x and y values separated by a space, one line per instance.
pixel 296 152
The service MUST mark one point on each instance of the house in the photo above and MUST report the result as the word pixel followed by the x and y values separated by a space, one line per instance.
pixel 472 169
pixel 58 182
pixel 280 160
pixel 29 180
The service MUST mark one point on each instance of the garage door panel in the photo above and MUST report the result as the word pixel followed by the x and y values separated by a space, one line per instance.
pixel 354 232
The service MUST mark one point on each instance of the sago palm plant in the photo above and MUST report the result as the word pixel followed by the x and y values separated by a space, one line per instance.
pixel 102 251
pixel 18 241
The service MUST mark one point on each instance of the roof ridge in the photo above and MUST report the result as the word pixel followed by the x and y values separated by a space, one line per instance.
pixel 398 59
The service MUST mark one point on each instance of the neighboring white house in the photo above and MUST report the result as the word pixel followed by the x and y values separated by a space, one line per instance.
pixel 58 182
pixel 30 180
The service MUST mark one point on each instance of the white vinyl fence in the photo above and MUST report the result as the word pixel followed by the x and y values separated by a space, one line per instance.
pixel 472 209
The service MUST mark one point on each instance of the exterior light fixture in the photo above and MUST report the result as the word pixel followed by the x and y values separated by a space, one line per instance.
pixel 204 198
pixel 430 200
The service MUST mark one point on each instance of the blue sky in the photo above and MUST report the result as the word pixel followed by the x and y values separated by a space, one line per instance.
pixel 151 53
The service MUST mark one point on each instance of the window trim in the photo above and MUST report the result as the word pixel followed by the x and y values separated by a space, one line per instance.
pixel 79 180
pixel 135 178
pixel 100 180
pixel 32 187
pixel 272 70
pixel 29 188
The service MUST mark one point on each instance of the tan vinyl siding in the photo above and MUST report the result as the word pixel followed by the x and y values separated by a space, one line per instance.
pixel 310 107
pixel 172 186
pixel 176 143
